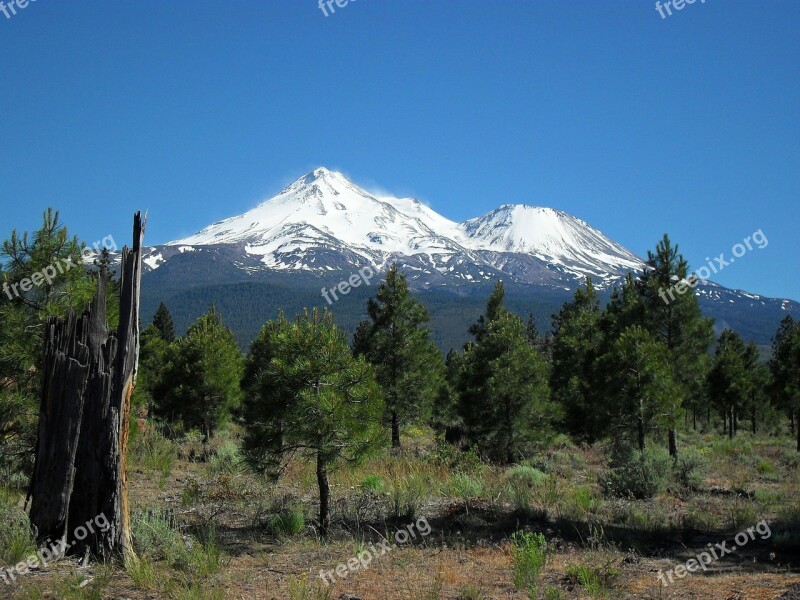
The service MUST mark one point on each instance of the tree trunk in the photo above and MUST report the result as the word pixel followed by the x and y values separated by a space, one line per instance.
pixel 673 443
pixel 791 421
pixel 730 423
pixel 89 374
pixel 735 421
pixel 694 419
pixel 640 425
pixel 753 419
pixel 324 495
pixel 395 430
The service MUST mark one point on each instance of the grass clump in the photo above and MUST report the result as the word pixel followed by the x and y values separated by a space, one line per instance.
pixel 637 475
pixel 597 581
pixel 151 450
pixel 373 484
pixel 466 487
pixel 289 522
pixel 16 536
pixel 529 553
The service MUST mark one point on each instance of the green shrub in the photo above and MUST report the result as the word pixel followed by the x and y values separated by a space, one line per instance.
pixel 689 468
pixel 151 450
pixel 597 581
pixel 466 487
pixel 447 455
pixel 524 475
pixel 373 483
pixel 406 495
pixel 582 502
pixel 791 458
pixel 291 521
pixel 637 475
pixel 226 459
pixel 16 536
pixel 156 537
pixel 765 467
pixel 553 593
pixel 529 552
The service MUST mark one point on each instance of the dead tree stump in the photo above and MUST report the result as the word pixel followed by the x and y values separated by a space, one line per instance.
pixel 89 376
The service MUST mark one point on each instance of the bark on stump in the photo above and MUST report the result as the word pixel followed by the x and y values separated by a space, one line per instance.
pixel 89 376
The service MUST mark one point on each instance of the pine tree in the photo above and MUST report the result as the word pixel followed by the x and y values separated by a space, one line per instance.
pixel 575 347
pixel 398 344
pixel 445 419
pixel 676 321
pixel 494 309
pixel 308 396
pixel 728 379
pixel 44 277
pixel 758 384
pixel 503 396
pixel 640 390
pixel 784 367
pixel 200 386
pixel 163 323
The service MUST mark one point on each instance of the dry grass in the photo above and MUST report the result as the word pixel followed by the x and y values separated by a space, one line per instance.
pixel 467 555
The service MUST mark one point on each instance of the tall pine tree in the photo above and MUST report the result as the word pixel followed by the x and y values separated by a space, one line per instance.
pixel 676 321
pixel 784 366
pixel 397 342
pixel 575 348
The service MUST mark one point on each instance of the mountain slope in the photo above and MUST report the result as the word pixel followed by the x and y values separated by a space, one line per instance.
pixel 323 227
pixel 323 221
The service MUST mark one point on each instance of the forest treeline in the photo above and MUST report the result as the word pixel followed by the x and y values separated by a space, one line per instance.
pixel 634 372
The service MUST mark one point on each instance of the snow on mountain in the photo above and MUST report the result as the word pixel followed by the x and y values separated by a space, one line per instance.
pixel 323 221
pixel 548 234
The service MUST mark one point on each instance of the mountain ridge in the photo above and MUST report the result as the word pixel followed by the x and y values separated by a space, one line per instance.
pixel 323 227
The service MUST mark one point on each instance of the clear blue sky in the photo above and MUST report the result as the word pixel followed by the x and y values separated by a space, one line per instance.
pixel 197 110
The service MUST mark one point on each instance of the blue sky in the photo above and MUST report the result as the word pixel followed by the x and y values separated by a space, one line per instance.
pixel 198 110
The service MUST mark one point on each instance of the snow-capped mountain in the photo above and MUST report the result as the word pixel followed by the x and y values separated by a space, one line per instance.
pixel 322 228
pixel 324 222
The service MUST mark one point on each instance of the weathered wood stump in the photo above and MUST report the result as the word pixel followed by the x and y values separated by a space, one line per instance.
pixel 89 376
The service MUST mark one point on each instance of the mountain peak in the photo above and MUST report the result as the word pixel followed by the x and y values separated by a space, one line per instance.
pixel 323 214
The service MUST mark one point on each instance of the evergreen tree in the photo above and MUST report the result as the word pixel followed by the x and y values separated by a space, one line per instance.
pixel 200 384
pixel 640 384
pixel 44 276
pixel 503 396
pixel 758 384
pixel 41 275
pixel 494 309
pixel 784 367
pixel 154 354
pixel 398 344
pixel 575 347
pixel 446 419
pixel 728 383
pixel 676 321
pixel 307 395
pixel 163 323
